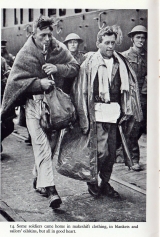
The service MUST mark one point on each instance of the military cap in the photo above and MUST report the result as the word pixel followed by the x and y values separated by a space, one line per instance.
pixel 138 29
pixel 72 36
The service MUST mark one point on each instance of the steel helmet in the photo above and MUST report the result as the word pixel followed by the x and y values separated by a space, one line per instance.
pixel 138 29
pixel 72 36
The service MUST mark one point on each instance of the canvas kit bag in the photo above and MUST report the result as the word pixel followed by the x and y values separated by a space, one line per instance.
pixel 56 111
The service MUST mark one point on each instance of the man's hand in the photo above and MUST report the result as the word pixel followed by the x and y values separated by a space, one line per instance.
pixel 49 68
pixel 47 85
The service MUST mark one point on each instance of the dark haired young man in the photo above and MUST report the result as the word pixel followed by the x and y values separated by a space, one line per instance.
pixel 107 92
pixel 41 56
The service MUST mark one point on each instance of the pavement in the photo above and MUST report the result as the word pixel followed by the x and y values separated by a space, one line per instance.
pixel 25 204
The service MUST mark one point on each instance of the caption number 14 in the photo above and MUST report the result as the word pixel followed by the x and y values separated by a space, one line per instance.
pixel 12 226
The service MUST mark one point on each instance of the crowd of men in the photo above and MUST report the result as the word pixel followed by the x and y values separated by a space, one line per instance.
pixel 106 79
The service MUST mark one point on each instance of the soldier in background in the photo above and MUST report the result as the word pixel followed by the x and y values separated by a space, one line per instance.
pixel 137 56
pixel 5 54
pixel 72 41
pixel 5 70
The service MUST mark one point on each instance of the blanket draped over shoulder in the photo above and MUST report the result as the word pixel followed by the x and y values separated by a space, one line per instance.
pixel 78 152
pixel 27 68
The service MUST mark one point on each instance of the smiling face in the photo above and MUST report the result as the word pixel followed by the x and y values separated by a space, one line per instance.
pixel 138 40
pixel 107 45
pixel 73 46
pixel 43 37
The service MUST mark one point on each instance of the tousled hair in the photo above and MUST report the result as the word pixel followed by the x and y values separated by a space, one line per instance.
pixel 109 30
pixel 42 23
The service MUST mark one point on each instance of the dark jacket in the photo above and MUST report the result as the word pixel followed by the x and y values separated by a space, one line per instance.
pixel 80 57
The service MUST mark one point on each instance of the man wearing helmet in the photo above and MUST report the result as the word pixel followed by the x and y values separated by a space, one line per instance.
pixel 72 41
pixel 137 56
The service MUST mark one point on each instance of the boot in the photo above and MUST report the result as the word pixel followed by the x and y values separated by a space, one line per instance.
pixel 93 189
pixel 136 167
pixel 42 191
pixel 108 190
pixel 54 198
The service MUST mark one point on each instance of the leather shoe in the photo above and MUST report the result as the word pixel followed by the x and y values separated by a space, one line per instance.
pixel 136 167
pixel 93 189
pixel 54 199
pixel 42 191
pixel 108 190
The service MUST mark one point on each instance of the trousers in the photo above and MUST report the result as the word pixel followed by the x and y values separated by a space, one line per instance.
pixel 41 145
pixel 138 129
pixel 106 142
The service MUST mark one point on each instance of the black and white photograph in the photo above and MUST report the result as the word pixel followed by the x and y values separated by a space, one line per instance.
pixel 76 133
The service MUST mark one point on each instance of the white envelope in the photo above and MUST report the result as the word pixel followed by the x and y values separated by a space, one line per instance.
pixel 107 113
